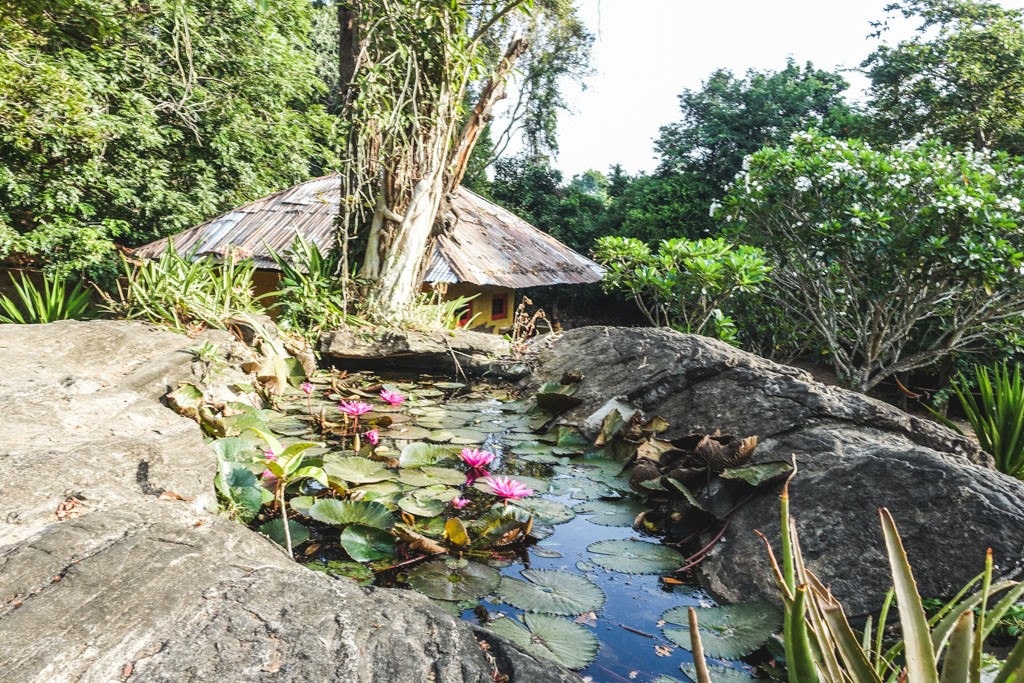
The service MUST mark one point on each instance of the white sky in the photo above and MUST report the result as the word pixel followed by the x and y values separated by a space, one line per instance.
pixel 647 51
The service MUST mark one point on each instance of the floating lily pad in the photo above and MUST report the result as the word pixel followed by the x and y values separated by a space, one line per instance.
pixel 496 526
pixel 635 557
pixel 582 488
pixel 727 632
pixel 427 393
pixel 366 544
pixel 546 511
pixel 301 504
pixel 431 476
pixel 421 454
pixel 440 436
pixel 428 502
pixel 385 492
pixel 409 432
pixel 359 573
pixel 620 512
pixel 289 427
pixel 717 673
pixel 569 644
pixel 341 512
pixel 358 470
pixel 545 552
pixel 557 398
pixel 437 579
pixel 275 530
pixel 758 474
pixel 551 591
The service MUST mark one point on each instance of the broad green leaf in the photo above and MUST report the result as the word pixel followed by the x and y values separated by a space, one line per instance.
pixel 554 638
pixel 546 511
pixel 235 449
pixel 621 512
pixel 342 512
pixel 367 544
pixel 186 400
pixel 356 470
pixel 635 557
pixel 275 530
pixel 359 573
pixel 438 579
pixel 421 454
pixel 551 591
pixel 432 476
pixel 758 474
pixel 428 502
pixel 727 632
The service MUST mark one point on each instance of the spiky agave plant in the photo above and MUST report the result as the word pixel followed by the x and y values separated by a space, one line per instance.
pixel 821 647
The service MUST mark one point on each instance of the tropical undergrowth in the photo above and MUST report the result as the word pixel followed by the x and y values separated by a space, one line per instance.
pixel 55 298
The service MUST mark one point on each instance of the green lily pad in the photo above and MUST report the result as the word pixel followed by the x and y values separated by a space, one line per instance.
pixel 635 557
pixel 440 436
pixel 551 591
pixel 621 512
pixel 358 470
pixel 289 427
pixel 582 488
pixel 758 474
pixel 546 511
pixel 236 449
pixel 341 512
pixel 427 393
pixel 359 573
pixel 384 492
pixel 421 454
pixel 717 673
pixel 301 504
pixel 727 632
pixel 275 530
pixel 437 579
pixel 545 552
pixel 560 640
pixel 429 501
pixel 408 432
pixel 449 385
pixel 366 544
pixel 431 476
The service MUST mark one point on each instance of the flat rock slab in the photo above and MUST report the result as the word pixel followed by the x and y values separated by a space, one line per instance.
pixel 855 455
pixel 127 585
pixel 450 351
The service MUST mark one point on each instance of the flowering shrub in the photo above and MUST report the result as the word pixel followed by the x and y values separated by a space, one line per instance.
pixel 892 258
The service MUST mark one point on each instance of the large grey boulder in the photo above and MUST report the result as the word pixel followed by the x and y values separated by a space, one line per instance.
pixel 855 455
pixel 448 351
pixel 126 584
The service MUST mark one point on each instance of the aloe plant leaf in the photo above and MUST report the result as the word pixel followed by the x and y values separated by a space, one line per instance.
pixel 957 663
pixel 342 512
pixel 621 512
pixel 454 581
pixel 727 632
pixel 1013 668
pixel 367 544
pixel 569 644
pixel 275 530
pixel 849 648
pixel 551 591
pixel 919 651
pixel 635 557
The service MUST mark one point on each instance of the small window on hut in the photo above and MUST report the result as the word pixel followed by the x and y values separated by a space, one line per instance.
pixel 499 306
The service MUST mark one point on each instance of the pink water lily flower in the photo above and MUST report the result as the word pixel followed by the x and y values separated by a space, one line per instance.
pixel 354 408
pixel 391 397
pixel 507 488
pixel 307 388
pixel 459 503
pixel 476 459
pixel 268 455
pixel 373 436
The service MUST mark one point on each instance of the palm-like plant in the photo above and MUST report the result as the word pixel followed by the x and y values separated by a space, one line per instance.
pixel 54 300
pixel 997 414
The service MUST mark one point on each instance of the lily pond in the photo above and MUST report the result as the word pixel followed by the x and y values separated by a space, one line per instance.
pixel 575 549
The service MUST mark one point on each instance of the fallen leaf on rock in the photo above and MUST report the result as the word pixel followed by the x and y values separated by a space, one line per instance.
pixel 171 495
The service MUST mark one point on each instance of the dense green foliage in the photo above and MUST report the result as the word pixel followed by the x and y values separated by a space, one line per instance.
pixel 687 284
pixel 961 78
pixel 127 120
pixel 894 258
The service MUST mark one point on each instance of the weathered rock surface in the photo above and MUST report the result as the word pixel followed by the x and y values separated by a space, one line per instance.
pixel 129 586
pixel 855 455
pixel 475 353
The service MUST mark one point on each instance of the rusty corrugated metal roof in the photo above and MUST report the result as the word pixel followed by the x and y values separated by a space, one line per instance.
pixel 486 244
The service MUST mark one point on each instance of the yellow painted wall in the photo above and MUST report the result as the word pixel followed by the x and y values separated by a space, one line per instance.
pixel 482 307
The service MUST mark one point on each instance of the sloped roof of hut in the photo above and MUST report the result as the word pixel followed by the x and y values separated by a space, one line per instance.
pixel 484 244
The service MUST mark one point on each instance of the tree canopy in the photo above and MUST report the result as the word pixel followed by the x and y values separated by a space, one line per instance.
pixel 130 121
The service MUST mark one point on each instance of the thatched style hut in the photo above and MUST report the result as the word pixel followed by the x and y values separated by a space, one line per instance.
pixel 486 250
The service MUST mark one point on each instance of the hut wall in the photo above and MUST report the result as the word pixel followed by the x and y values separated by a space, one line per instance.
pixel 491 311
